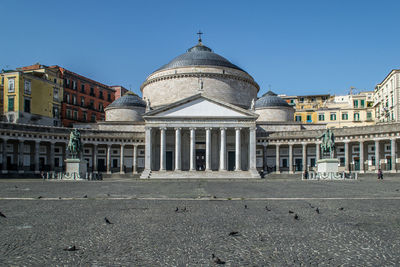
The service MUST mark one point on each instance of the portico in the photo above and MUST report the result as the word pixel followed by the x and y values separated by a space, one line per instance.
pixel 201 136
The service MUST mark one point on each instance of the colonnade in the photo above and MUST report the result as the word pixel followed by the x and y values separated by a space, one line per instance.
pixel 208 144
pixel 347 153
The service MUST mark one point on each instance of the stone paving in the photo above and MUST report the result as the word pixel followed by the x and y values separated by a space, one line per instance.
pixel 358 223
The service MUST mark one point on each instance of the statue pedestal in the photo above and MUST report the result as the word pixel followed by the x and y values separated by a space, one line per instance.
pixel 327 165
pixel 77 166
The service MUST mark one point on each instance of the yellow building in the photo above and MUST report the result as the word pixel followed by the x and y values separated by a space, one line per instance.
pixel 306 107
pixel 32 96
pixel 348 111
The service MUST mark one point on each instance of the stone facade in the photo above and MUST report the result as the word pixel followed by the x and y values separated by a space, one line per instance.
pixel 270 114
pixel 226 84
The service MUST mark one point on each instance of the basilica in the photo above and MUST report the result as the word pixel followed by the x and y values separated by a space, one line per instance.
pixel 199 116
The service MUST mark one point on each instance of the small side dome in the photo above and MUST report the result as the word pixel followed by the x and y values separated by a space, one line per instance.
pixel 271 107
pixel 128 100
pixel 128 108
pixel 270 99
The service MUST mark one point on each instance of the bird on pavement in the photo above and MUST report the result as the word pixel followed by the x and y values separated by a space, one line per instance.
pixel 85 196
pixel 341 208
pixel 2 215
pixel 217 260
pixel 234 233
pixel 71 248
pixel 267 209
pixel 291 211
pixel 107 221
pixel 296 217
pixel 39 197
pixel 317 210
pixel 177 209
pixel 245 206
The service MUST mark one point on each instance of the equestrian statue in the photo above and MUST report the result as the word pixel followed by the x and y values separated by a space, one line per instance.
pixel 75 145
pixel 328 143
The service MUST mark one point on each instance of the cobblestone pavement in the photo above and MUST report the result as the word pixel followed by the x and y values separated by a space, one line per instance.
pixel 358 223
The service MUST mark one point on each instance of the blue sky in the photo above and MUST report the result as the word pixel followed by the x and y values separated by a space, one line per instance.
pixel 294 47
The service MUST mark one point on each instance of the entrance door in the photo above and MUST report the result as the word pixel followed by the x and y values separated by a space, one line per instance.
pixel 200 159
pixel 356 163
pixel 389 163
pixel 231 160
pixel 168 160
pixel 298 164
pixel 101 165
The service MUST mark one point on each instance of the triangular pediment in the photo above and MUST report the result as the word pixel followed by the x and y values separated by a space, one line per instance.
pixel 200 107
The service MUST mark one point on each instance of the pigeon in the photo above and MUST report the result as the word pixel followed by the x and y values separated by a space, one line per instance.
pixel 16 186
pixel 267 209
pixel 214 196
pixel 108 195
pixel 397 190
pixel 341 208
pixel 184 209
pixel 296 217
pixel 291 211
pixel 245 206
pixel 217 260
pixel 177 209
pixel 2 215
pixel 71 248
pixel 39 197
pixel 317 210
pixel 107 221
pixel 234 233
pixel 59 197
pixel 85 196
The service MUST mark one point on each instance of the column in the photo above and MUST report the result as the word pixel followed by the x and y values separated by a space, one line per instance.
pixel 5 155
pixel 290 158
pixel 94 158
pixel 277 167
pixel 177 149
pixel 393 154
pixel 108 159
pixel 265 156
pixel 222 151
pixel 238 153
pixel 163 164
pixel 52 160
pixel 148 156
pixel 192 149
pixel 346 156
pixel 121 160
pixel 208 149
pixel 361 151
pixel 252 149
pixel 21 156
pixel 304 158
pixel 377 159
pixel 37 156
pixel 134 163
pixel 317 152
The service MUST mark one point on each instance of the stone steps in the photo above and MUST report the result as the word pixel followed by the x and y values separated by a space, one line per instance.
pixel 202 175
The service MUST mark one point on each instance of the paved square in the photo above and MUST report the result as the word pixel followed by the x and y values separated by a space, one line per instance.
pixel 146 230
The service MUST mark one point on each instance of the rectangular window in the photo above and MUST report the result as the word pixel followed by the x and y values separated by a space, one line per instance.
pixel 345 116
pixel 101 107
pixel 56 112
pixel 369 116
pixel 309 118
pixel 83 88
pixel 109 97
pixel 67 98
pixel 74 85
pixel 68 114
pixel 27 105
pixel 356 116
pixel 93 118
pixel 355 103
pixel 333 116
pixel 84 116
pixel 55 93
pixel 298 118
pixel 27 87
pixel 301 100
pixel 11 85
pixel 91 91
pixel 75 115
pixel 362 103
pixel 74 99
pixel 82 101
pixel 101 94
pixel 321 117
pixel 91 104
pixel 10 103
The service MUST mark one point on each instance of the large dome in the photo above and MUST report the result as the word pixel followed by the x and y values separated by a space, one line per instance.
pixel 270 99
pixel 199 70
pixel 199 55
pixel 129 107
pixel 271 107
